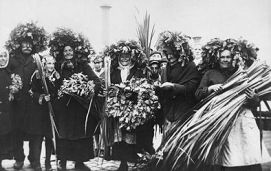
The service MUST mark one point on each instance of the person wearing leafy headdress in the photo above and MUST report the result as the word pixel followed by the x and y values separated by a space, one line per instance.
pixel 128 62
pixel 75 141
pixel 180 77
pixel 25 40
pixel 242 149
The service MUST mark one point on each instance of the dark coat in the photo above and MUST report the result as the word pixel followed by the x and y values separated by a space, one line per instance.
pixel 71 114
pixel 211 77
pixel 37 120
pixel 5 115
pixel 24 66
pixel 178 100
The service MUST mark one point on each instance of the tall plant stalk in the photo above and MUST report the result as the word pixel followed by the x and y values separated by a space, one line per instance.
pixel 145 33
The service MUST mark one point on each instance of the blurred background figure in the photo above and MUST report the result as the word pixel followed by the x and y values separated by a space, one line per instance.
pixel 155 67
pixel 197 50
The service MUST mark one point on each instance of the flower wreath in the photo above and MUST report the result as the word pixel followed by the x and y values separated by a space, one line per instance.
pixel 30 32
pixel 211 52
pixel 177 42
pixel 248 52
pixel 130 46
pixel 133 103
pixel 240 49
pixel 62 37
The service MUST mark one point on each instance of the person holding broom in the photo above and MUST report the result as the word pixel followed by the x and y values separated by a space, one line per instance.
pixel 242 151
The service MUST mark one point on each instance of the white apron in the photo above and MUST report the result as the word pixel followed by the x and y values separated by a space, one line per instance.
pixel 243 144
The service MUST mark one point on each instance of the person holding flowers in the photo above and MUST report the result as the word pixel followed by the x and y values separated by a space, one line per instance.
pixel 242 149
pixel 127 64
pixel 179 78
pixel 10 84
pixel 75 120
pixel 25 40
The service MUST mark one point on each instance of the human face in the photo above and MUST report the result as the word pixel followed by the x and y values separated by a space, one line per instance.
pixel 26 48
pixel 225 60
pixel 3 58
pixel 197 52
pixel 172 59
pixel 125 59
pixel 68 52
pixel 98 64
pixel 50 64
pixel 154 68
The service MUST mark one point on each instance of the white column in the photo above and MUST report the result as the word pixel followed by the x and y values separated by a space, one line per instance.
pixel 105 24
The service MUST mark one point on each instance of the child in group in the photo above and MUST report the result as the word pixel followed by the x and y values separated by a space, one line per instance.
pixel 38 123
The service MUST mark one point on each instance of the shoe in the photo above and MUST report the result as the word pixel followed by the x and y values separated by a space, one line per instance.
pixel 62 165
pixel 81 166
pixel 123 166
pixel 18 165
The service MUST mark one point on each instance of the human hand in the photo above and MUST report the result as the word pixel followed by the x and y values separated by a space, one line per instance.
pixel 47 98
pixel 167 85
pixel 215 88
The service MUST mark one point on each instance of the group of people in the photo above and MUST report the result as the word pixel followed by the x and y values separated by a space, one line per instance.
pixel 180 84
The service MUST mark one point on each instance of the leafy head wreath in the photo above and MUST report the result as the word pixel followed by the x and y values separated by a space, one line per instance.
pixel 177 42
pixel 66 37
pixel 29 32
pixel 131 47
pixel 248 52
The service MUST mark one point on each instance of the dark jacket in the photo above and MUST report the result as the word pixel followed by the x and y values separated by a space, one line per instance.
pixel 24 66
pixel 37 120
pixel 211 77
pixel 178 100
pixel 70 113
pixel 5 115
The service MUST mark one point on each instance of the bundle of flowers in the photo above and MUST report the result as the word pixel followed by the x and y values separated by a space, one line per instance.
pixel 201 138
pixel 176 41
pixel 29 31
pixel 132 103
pixel 77 86
pixel 63 37
pixel 16 85
pixel 131 47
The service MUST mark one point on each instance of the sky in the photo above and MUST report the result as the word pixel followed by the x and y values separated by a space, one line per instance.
pixel 250 19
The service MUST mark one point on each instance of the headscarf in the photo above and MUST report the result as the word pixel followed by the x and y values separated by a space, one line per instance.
pixel 3 50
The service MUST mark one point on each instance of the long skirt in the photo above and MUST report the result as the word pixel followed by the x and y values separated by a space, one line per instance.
pixel 127 150
pixel 243 146
pixel 80 150
pixel 6 146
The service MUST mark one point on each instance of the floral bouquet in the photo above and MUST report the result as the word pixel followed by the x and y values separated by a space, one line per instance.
pixel 132 103
pixel 79 87
pixel 16 85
